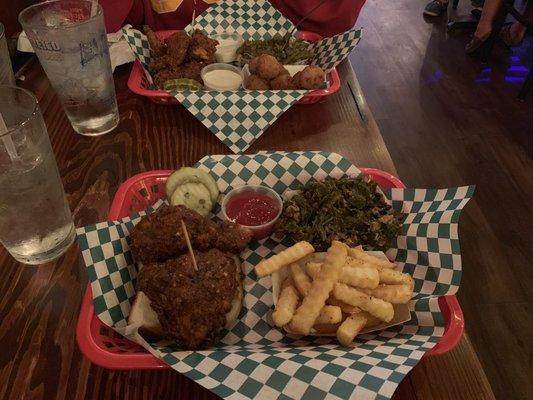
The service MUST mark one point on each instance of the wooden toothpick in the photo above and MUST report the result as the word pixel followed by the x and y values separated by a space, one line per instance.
pixel 187 240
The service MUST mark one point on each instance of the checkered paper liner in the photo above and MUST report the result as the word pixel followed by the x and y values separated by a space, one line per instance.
pixel 239 118
pixel 256 360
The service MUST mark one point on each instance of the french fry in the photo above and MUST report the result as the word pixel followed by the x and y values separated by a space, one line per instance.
pixel 321 287
pixel 393 277
pixel 285 257
pixel 395 294
pixel 350 328
pixel 286 305
pixel 356 263
pixel 300 278
pixel 377 307
pixel 329 315
pixel 345 307
pixel 375 261
pixel 313 269
pixel 364 277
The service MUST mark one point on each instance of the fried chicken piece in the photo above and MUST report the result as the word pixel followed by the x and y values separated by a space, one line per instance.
pixel 157 46
pixel 160 63
pixel 177 47
pixel 253 82
pixel 232 237
pixel 191 70
pixel 159 236
pixel 283 81
pixel 311 77
pixel 191 304
pixel 265 66
pixel 202 48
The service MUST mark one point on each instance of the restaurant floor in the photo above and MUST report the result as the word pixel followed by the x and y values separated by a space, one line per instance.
pixel 448 120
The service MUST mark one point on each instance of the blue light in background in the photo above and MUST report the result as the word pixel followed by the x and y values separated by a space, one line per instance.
pixel 515 78
pixel 436 76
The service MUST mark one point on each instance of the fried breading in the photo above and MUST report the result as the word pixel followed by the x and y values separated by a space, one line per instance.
pixel 159 236
pixel 203 48
pixel 157 47
pixel 157 64
pixel 253 82
pixel 178 45
pixel 191 304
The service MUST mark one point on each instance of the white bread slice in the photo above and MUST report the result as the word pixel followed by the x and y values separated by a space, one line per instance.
pixel 142 315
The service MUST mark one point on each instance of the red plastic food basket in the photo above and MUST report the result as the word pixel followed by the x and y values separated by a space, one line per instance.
pixel 108 349
pixel 138 84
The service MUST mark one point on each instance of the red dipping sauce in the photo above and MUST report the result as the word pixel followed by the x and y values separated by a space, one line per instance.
pixel 255 207
pixel 251 208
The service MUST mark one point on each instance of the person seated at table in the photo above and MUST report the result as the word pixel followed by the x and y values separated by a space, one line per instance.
pixel 330 18
pixel 512 35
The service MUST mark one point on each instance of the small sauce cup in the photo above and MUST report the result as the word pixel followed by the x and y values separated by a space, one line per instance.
pixel 229 43
pixel 221 77
pixel 254 207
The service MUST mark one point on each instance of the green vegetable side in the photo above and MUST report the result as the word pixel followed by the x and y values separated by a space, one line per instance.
pixel 295 52
pixel 350 210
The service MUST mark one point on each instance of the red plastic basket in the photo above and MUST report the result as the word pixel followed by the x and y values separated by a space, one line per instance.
pixel 138 83
pixel 108 349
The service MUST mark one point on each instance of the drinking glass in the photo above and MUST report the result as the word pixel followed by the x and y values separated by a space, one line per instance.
pixel 35 221
pixel 6 71
pixel 70 40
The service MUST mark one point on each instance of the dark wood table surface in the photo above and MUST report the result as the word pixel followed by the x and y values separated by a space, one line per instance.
pixel 39 356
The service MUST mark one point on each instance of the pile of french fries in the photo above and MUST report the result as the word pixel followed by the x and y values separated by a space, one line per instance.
pixel 350 290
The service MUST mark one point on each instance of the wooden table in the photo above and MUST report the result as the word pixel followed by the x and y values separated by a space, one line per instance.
pixel 39 306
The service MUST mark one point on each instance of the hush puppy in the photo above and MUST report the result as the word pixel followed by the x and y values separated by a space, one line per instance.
pixel 283 81
pixel 312 77
pixel 253 82
pixel 265 66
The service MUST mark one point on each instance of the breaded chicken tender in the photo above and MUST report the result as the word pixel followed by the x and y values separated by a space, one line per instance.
pixel 265 66
pixel 253 82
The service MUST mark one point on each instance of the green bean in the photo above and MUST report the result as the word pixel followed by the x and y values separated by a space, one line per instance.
pixel 294 52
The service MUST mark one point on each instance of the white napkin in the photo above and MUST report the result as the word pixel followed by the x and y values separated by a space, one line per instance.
pixel 119 50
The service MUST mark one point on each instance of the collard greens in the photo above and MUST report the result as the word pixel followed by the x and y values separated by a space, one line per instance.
pixel 350 210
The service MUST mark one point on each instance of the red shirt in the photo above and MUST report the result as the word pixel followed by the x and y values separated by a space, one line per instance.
pixel 333 17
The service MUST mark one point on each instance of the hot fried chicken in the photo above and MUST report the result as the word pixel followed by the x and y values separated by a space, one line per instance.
pixel 179 56
pixel 157 47
pixel 191 304
pixel 159 236
pixel 178 45
pixel 202 47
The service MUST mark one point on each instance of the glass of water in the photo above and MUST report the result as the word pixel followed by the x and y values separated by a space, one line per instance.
pixel 70 40
pixel 6 71
pixel 35 221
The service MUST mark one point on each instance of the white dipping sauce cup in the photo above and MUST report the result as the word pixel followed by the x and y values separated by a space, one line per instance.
pixel 229 42
pixel 221 77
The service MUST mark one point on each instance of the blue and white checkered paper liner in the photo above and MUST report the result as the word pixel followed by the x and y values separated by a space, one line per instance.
pixel 253 20
pixel 255 359
pixel 240 117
